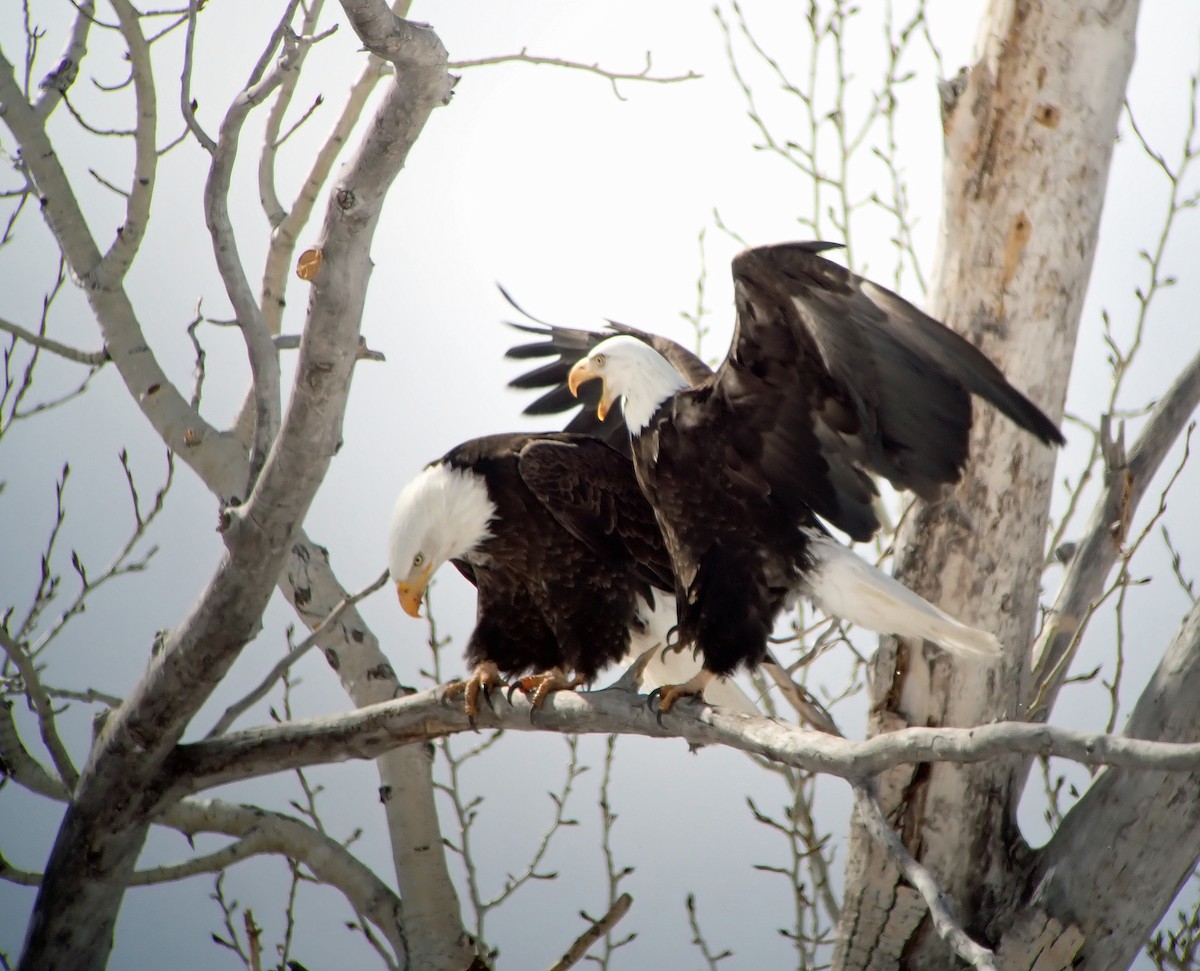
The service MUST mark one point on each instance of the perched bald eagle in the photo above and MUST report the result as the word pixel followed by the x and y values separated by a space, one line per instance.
pixel 564 551
pixel 828 377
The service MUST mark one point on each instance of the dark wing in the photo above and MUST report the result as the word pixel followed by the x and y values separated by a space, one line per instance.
pixel 834 375
pixel 567 345
pixel 592 490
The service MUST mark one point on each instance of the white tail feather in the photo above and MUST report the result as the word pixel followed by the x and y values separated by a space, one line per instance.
pixel 847 586
pixel 665 667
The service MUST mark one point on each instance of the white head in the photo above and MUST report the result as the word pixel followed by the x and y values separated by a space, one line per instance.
pixel 630 369
pixel 442 514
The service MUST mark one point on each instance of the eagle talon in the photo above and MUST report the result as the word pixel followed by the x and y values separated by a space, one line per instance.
pixel 538 687
pixel 485 677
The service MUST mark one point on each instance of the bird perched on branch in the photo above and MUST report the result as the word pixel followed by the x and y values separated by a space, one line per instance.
pixel 829 377
pixel 564 551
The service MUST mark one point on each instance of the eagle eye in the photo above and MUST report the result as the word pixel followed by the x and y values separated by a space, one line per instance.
pixel 599 360
pixel 418 559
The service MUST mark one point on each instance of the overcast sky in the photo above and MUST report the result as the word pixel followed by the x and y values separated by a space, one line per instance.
pixel 584 207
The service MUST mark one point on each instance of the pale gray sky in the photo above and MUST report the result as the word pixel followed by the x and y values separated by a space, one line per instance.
pixel 585 207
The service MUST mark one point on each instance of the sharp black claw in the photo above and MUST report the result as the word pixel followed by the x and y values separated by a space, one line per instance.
pixel 471 722
pixel 652 698
pixel 486 690
pixel 509 693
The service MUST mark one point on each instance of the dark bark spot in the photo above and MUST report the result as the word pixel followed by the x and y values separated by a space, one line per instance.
pixel 385 793
pixel 1048 115
pixel 332 657
pixel 302 596
pixel 357 636
pixel 381 672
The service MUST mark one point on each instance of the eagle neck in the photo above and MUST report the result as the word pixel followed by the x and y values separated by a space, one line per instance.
pixel 654 381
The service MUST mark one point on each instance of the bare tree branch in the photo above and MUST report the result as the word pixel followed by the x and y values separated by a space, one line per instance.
pixel 216 459
pixel 524 57
pixel 604 925
pixel 94 358
pixel 43 708
pixel 366 732
pixel 120 256
pixel 870 814
pixel 55 84
pixel 1126 482
pixel 76 907
pixel 1133 834
pixel 264 362
pixel 285 663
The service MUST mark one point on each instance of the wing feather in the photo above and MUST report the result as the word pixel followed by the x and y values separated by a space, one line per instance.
pixel 592 491
pixel 839 376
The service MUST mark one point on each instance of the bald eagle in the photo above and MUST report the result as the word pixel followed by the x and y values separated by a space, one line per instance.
pixel 828 377
pixel 564 551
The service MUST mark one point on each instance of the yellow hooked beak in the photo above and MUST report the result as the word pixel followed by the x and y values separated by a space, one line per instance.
pixel 584 371
pixel 412 590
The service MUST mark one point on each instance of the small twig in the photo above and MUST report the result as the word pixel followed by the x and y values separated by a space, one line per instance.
pixel 234 711
pixel 945 923
pixel 39 701
pixel 291 342
pixel 24 878
pixel 574 954
pixel 524 57
pixel 94 358
pixel 698 937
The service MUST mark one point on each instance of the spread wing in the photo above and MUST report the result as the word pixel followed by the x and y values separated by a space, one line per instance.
pixel 591 489
pixel 567 345
pixel 831 376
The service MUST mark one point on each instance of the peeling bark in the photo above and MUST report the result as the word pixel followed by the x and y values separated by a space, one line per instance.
pixel 1028 145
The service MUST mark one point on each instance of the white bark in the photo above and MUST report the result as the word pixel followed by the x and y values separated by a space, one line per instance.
pixel 367 732
pixel 1028 148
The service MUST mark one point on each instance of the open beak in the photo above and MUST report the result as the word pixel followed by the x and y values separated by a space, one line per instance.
pixel 583 371
pixel 412 591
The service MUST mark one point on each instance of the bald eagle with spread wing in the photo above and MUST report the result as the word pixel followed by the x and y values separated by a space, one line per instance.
pixel 564 551
pixel 829 377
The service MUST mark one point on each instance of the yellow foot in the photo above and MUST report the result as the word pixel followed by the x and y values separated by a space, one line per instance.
pixel 668 694
pixel 537 687
pixel 485 677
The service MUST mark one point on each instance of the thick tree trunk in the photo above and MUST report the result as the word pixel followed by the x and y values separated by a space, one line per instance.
pixel 1028 145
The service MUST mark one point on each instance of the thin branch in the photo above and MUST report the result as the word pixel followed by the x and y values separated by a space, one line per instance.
pixel 94 358
pixel 945 923
pixel 271 138
pixel 524 57
pixel 278 672
pixel 574 954
pixel 264 362
pixel 121 254
pixel 1126 482
pixel 187 106
pixel 55 84
pixel 698 939
pixel 39 701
